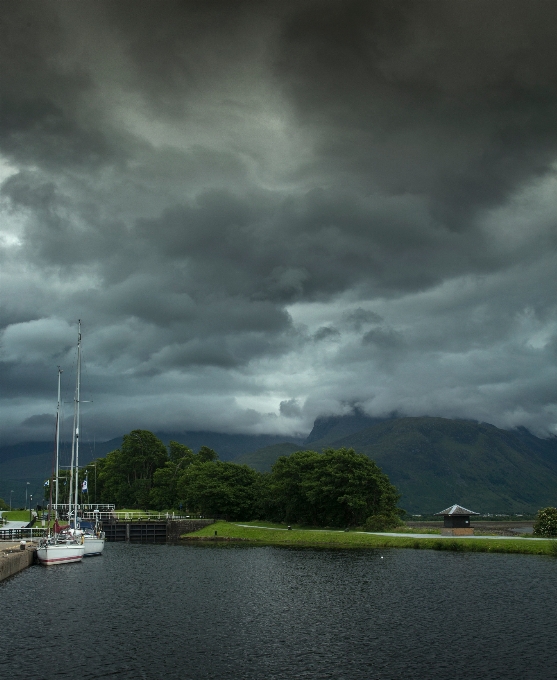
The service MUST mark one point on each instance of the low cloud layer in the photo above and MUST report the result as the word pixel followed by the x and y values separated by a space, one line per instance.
pixel 274 211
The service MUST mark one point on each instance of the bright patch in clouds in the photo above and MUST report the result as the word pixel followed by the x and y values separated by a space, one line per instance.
pixel 269 213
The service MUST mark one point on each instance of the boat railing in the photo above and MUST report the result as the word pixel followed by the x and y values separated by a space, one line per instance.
pixel 142 516
pixel 96 515
pixel 18 534
pixel 84 507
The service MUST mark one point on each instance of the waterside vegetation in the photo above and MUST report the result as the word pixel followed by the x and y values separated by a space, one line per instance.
pixel 546 523
pixel 337 488
pixel 269 534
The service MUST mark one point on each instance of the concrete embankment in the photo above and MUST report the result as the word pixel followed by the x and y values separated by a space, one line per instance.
pixel 13 559
pixel 184 526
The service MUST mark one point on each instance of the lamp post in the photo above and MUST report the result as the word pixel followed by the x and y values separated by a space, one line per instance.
pixel 30 507
pixel 26 490
pixel 11 492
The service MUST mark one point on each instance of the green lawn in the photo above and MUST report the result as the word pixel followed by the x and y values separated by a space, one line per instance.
pixel 278 535
pixel 16 515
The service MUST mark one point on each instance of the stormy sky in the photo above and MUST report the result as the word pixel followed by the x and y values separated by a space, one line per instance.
pixel 264 212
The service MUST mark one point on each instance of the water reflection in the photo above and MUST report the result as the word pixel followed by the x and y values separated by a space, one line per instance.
pixel 161 611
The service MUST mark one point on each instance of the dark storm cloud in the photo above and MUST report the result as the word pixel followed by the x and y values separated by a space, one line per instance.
pixel 290 408
pixel 269 211
pixel 453 100
pixel 42 118
pixel 316 244
pixel 357 318
pixel 325 333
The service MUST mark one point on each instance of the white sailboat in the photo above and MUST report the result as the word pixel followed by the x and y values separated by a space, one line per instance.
pixel 56 549
pixel 93 539
pixel 94 542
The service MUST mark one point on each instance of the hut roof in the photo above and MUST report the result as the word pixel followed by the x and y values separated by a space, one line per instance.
pixel 457 510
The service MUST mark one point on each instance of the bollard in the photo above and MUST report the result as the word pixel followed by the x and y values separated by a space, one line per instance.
pixel 289 528
pixel 22 545
pixel 215 533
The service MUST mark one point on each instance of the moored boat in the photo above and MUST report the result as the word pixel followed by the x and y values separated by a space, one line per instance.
pixel 54 549
pixel 94 545
pixel 91 535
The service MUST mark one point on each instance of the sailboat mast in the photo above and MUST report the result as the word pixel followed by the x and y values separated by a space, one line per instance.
pixel 57 468
pixel 77 400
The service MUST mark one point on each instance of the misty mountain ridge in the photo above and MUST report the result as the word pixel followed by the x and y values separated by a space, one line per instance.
pixel 331 428
pixel 434 462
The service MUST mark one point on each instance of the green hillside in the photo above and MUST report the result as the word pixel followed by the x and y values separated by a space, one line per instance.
pixel 436 462
pixel 263 458
pixel 328 429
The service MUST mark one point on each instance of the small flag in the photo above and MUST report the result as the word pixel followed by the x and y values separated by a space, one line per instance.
pixel 47 483
pixel 84 486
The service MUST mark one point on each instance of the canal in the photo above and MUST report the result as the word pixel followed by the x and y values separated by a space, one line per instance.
pixel 234 611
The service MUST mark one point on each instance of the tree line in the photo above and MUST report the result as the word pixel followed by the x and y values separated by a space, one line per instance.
pixel 338 487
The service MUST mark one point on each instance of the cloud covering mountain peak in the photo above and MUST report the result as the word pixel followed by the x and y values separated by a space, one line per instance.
pixel 272 211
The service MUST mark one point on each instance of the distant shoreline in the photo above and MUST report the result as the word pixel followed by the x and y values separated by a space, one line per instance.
pixel 280 536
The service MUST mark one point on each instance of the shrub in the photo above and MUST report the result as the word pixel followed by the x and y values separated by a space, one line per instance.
pixel 546 522
pixel 382 522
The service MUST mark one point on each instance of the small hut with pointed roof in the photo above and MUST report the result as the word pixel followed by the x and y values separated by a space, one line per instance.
pixel 457 521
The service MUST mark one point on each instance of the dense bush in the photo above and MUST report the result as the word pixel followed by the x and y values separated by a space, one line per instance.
pixel 219 489
pixel 546 522
pixel 382 522
pixel 338 487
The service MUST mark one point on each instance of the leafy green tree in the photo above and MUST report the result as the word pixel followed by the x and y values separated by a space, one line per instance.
pixel 127 474
pixel 206 455
pixel 546 522
pixel 219 489
pixel 94 472
pixel 4 505
pixel 287 487
pixel 180 453
pixel 163 494
pixel 336 488
pixel 63 487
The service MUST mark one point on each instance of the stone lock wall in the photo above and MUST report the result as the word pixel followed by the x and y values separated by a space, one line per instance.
pixel 12 561
pixel 184 526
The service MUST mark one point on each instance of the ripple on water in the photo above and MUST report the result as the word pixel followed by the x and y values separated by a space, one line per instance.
pixel 162 611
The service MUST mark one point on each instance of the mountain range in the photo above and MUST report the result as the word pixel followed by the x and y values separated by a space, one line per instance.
pixel 434 462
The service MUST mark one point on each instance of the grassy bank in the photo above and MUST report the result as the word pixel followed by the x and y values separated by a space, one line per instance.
pixel 16 515
pixel 275 535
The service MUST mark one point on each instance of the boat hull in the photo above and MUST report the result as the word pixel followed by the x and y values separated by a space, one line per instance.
pixel 93 546
pixel 60 553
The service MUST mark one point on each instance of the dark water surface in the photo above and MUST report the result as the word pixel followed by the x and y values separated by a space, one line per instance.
pixel 163 611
